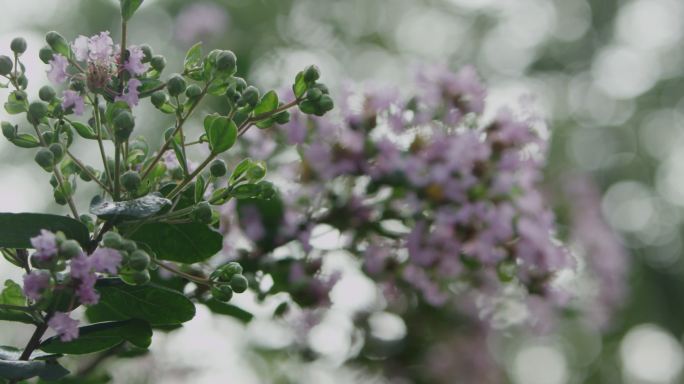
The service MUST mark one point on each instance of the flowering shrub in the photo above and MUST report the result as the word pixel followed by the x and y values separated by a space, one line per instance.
pixel 442 206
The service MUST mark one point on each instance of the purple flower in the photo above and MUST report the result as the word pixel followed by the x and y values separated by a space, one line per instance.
pixel 58 65
pixel 65 326
pixel 134 64
pixel 86 290
pixel 45 245
pixel 101 48
pixel 35 283
pixel 200 19
pixel 79 266
pixel 80 48
pixel 105 260
pixel 131 97
pixel 72 99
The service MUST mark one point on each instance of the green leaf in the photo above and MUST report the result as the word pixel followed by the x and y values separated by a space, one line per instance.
pixel 12 295
pixel 229 310
pixel 25 140
pixel 268 103
pixel 83 130
pixel 139 208
pixel 153 303
pixel 246 191
pixel 44 366
pixel 15 105
pixel 102 336
pixel 240 169
pixel 185 243
pixel 16 229
pixel 268 123
pixel 128 8
pixel 300 85
pixel 148 85
pixel 199 189
pixel 193 57
pixel 221 133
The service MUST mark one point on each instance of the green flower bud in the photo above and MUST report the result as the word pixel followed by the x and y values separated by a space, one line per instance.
pixel 326 103
pixel 18 45
pixel 139 260
pixel 307 107
pixel 311 74
pixel 112 240
pixel 217 167
pixel 123 125
pixel 53 181
pixel 136 277
pixel 58 43
pixel 69 249
pixel 147 52
pixel 323 88
pixel 159 98
pixel 226 272
pixel 57 150
pixel 36 111
pixel 77 84
pixel 282 118
pixel 22 81
pixel 240 84
pixel 46 54
pixel 222 293
pixel 9 130
pixel 239 283
pixel 202 212
pixel 128 245
pixel 131 181
pixel 45 158
pixel 6 65
pixel 38 262
pixel 158 63
pixel 313 94
pixel 46 93
pixel 85 176
pixel 226 62
pixel 176 85
pixel 250 96
pixel 193 91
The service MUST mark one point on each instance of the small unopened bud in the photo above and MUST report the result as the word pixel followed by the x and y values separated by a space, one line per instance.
pixel 326 103
pixel 226 272
pixel 139 260
pixel 45 158
pixel 22 81
pixel 131 181
pixel 128 245
pixel 176 85
pixel 58 43
pixel 282 118
pixel 147 52
pixel 69 249
pixel 46 54
pixel 240 84
pixel 239 283
pixel 112 240
pixel 159 98
pixel 250 96
pixel 46 93
pixel 193 91
pixel 311 74
pixel 226 62
pixel 222 293
pixel 36 111
pixel 57 150
pixel 5 65
pixel 136 277
pixel 158 62
pixel 313 94
pixel 18 45
pixel 202 212
pixel 218 168
pixel 123 126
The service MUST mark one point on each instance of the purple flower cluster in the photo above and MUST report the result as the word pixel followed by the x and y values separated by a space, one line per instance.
pixel 101 57
pixel 81 276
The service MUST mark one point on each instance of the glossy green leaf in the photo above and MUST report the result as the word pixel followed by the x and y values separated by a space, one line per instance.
pixel 193 57
pixel 139 208
pixel 268 103
pixel 16 229
pixel 83 130
pixel 25 140
pixel 185 243
pixel 13 295
pixel 221 133
pixel 102 336
pixel 153 303
pixel 228 309
pixel 42 365
pixel 300 85
pixel 128 8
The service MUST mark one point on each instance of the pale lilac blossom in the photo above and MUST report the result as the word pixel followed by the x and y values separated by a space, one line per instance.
pixel 45 245
pixel 65 326
pixel 58 69
pixel 35 283
pixel 72 99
